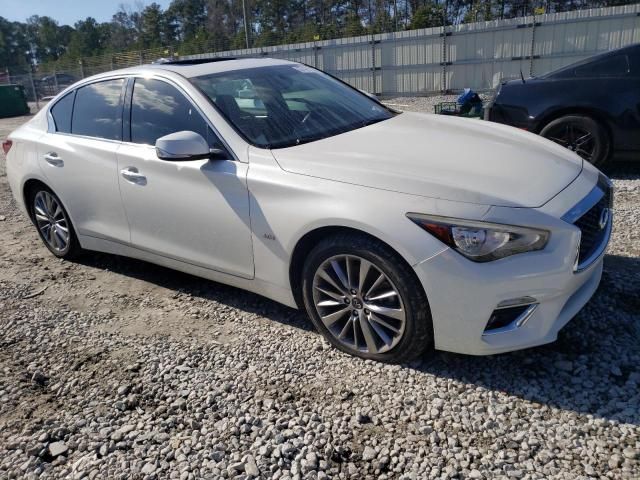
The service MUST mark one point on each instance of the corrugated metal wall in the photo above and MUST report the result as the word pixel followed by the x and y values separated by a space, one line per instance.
pixel 563 38
pixel 476 55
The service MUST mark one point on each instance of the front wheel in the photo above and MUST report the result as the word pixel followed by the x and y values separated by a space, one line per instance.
pixel 365 299
pixel 580 134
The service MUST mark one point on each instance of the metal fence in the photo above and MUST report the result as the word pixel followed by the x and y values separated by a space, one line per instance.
pixel 477 55
pixel 48 80
pixel 414 62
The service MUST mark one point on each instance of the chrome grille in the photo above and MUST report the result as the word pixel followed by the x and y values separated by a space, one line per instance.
pixel 595 224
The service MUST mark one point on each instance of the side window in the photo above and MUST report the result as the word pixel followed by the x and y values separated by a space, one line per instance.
pixel 158 109
pixel 97 111
pixel 61 113
pixel 614 66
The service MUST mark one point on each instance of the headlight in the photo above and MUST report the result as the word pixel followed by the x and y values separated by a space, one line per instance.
pixel 482 241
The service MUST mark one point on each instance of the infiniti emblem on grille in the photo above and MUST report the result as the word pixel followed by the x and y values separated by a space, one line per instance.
pixel 604 218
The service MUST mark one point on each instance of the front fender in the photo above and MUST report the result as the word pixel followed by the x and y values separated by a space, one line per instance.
pixel 286 206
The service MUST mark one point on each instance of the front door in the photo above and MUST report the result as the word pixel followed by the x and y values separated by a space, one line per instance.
pixel 194 211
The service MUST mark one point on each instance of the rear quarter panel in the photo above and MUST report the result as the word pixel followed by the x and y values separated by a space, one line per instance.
pixel 22 160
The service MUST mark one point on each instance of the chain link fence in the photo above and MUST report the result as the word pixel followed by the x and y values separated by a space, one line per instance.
pixel 47 80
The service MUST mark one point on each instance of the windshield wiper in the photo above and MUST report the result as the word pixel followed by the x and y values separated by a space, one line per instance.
pixel 327 134
pixel 313 138
pixel 310 138
pixel 297 141
pixel 371 121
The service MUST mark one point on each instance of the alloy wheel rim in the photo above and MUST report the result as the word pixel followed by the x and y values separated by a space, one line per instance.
pixel 575 138
pixel 51 221
pixel 358 304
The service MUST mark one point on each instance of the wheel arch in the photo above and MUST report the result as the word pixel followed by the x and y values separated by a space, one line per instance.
pixel 28 186
pixel 34 182
pixel 593 113
pixel 311 238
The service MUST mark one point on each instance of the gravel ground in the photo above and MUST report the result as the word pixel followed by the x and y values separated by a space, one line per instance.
pixel 422 104
pixel 114 368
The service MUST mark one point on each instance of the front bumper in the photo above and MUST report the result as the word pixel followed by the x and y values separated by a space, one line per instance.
pixel 507 115
pixel 463 295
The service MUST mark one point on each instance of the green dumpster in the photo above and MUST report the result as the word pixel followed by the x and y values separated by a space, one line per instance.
pixel 13 101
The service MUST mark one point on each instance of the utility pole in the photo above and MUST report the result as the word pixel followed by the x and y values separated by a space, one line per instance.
pixel 246 27
pixel 33 87
pixel 395 14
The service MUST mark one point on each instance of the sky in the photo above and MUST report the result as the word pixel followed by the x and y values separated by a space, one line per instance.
pixel 68 11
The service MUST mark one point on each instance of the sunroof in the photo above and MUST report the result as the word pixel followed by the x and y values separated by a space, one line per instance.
pixel 193 61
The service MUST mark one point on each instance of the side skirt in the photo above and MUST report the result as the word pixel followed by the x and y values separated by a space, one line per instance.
pixel 260 287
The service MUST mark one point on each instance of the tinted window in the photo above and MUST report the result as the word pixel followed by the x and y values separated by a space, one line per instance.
pixel 606 67
pixel 97 111
pixel 61 113
pixel 158 109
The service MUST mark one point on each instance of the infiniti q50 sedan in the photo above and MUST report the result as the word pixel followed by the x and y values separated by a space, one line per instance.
pixel 396 232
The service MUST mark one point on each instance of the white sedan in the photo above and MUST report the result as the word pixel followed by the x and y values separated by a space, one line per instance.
pixel 397 232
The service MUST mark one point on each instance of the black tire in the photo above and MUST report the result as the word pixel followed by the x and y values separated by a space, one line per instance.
pixel 72 248
pixel 417 335
pixel 581 134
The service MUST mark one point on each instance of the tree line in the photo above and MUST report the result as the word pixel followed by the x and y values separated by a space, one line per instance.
pixel 205 25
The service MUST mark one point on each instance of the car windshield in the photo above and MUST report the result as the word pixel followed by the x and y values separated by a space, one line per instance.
pixel 286 105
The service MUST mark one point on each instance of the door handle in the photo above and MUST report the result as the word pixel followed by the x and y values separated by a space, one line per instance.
pixel 53 159
pixel 132 175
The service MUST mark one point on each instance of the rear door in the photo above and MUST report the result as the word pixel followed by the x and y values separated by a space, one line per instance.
pixel 79 159
pixel 195 211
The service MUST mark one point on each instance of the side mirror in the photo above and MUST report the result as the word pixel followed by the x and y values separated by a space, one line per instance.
pixel 218 154
pixel 182 146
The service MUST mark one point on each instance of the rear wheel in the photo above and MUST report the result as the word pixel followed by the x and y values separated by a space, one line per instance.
pixel 580 134
pixel 52 222
pixel 366 300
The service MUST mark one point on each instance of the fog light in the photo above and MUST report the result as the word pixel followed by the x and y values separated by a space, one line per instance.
pixel 510 315
pixel 516 302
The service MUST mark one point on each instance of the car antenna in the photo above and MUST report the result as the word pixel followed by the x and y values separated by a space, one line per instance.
pixel 522 76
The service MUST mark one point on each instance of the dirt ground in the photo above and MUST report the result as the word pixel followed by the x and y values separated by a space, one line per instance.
pixel 122 282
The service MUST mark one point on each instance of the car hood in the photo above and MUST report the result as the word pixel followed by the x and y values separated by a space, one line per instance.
pixel 442 157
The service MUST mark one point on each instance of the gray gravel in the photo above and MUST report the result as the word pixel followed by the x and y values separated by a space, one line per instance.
pixel 113 368
pixel 422 104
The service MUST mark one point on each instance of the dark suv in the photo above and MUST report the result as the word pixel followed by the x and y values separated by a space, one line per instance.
pixel 591 107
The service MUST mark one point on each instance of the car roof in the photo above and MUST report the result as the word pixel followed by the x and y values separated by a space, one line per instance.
pixel 188 69
pixel 199 67
pixel 628 49
pixel 586 61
